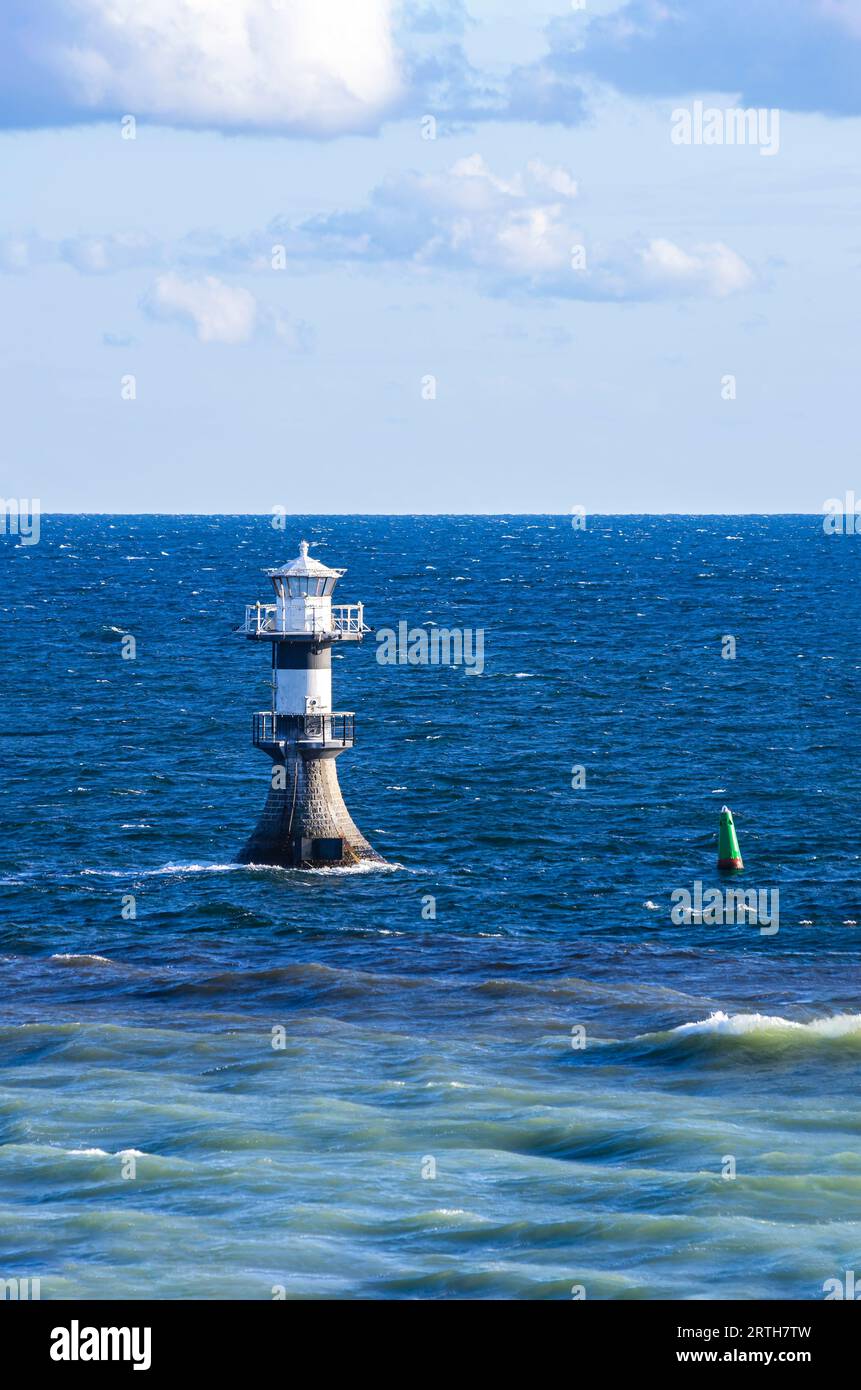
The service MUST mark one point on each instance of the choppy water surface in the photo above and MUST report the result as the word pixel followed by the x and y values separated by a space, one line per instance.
pixel 405 1045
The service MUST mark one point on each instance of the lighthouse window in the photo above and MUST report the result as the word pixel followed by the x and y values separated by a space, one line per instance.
pixel 302 586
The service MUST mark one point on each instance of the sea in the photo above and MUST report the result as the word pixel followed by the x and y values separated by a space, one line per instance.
pixel 498 1066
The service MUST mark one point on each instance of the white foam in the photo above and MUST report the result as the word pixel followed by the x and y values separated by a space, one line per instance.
pixel 103 1153
pixel 838 1026
pixel 90 960
pixel 365 866
pixel 170 868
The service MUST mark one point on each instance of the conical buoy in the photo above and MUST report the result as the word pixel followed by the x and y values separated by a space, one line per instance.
pixel 729 856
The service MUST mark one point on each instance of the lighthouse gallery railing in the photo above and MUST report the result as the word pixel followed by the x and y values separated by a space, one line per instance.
pixel 347 618
pixel 268 727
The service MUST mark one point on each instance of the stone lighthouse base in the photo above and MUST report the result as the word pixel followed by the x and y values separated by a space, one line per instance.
pixel 305 823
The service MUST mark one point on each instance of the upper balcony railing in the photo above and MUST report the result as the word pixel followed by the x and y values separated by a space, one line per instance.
pixel 346 621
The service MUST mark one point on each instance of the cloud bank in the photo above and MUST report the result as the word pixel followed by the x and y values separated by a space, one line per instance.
pixel 323 68
pixel 516 235
pixel 799 55
pixel 513 235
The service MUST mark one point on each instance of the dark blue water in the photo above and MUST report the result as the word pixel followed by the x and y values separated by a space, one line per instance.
pixel 423 1126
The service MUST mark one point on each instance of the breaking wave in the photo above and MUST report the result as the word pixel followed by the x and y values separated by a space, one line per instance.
pixel 756 1032
pixel 838 1026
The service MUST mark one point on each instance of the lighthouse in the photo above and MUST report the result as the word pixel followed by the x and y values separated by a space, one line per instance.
pixel 305 823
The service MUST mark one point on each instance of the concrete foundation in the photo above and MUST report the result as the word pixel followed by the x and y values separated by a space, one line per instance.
pixel 305 823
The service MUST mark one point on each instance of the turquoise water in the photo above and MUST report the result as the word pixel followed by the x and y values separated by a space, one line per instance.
pixel 424 1126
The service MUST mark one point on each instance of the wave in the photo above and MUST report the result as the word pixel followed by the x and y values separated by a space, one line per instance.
pixel 71 958
pixel 309 975
pixel 164 869
pixel 740 1025
pixel 743 1033
pixel 103 1153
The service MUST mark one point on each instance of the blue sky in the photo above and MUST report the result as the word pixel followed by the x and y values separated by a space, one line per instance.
pixel 281 258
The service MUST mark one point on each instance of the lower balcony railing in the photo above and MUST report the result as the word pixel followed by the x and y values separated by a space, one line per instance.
pixel 268 727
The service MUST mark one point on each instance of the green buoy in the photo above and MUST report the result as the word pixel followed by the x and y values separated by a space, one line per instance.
pixel 729 855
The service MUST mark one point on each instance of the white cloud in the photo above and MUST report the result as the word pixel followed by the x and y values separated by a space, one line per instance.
pixel 713 268
pixel 556 179
pixel 19 253
pixel 315 67
pixel 218 313
pixel 497 223
pixel 469 216
pixel 99 255
pixel 92 255
pixel 221 313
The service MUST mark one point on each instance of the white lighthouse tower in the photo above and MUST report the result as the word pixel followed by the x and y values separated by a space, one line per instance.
pixel 305 822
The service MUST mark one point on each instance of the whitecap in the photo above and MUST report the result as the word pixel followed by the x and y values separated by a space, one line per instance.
pixel 103 1153
pixel 839 1025
pixel 170 868
pixel 86 959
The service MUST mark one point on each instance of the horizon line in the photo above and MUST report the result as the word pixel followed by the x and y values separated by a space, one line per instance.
pixel 337 515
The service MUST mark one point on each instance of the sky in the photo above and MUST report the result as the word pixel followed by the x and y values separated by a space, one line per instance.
pixel 429 255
